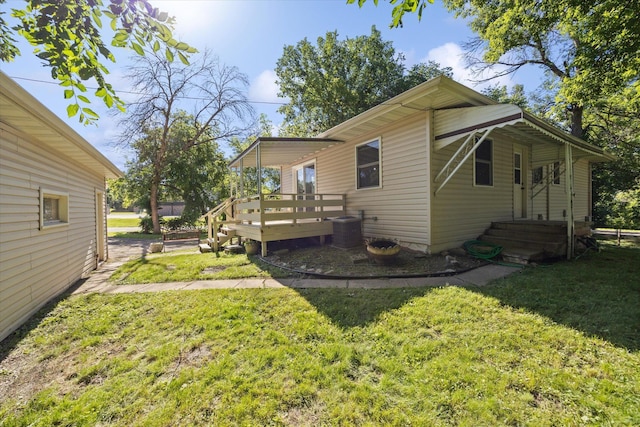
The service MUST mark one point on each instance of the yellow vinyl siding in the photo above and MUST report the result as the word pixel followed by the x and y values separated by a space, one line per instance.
pixel 581 206
pixel 400 204
pixel 35 264
pixel 462 211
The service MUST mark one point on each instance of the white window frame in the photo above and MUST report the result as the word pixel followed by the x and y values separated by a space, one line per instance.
pixel 379 140
pixel 63 208
pixel 491 164
pixel 555 176
pixel 294 174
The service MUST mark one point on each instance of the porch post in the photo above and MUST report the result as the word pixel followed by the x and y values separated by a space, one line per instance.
pixel 258 169
pixel 568 159
pixel 241 178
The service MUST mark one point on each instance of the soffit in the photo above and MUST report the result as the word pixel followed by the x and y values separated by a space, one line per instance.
pixel 22 112
pixel 276 152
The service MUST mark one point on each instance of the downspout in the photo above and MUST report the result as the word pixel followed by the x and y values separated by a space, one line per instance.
pixel 568 157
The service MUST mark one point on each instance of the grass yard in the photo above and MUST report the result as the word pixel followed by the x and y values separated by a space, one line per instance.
pixel 123 222
pixel 551 346
pixel 177 267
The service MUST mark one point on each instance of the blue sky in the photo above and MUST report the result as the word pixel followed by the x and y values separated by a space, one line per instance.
pixel 251 35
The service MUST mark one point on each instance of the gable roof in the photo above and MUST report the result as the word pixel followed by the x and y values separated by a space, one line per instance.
pixel 21 111
pixel 435 94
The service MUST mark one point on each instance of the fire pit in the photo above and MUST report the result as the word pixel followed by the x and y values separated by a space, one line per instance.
pixel 383 252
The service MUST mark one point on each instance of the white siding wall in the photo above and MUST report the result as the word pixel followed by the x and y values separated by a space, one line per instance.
pixel 400 206
pixel 538 205
pixel 557 197
pixel 582 189
pixel 36 265
pixel 462 211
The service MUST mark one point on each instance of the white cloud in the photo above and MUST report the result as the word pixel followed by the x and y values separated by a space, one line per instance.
pixel 264 88
pixel 452 55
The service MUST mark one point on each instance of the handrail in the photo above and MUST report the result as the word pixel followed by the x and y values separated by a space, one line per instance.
pixel 220 208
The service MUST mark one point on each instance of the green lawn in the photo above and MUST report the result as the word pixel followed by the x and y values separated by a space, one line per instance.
pixel 551 346
pixel 123 222
pixel 183 267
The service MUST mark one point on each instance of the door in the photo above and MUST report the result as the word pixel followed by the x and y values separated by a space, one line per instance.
pixel 305 182
pixel 519 184
pixel 101 235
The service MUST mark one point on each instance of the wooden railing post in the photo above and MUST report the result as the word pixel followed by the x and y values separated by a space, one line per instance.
pixel 215 236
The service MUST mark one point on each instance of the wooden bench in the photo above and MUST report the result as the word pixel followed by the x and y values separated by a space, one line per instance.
pixel 180 235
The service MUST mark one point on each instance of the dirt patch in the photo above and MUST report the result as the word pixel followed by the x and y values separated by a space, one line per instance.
pixel 355 262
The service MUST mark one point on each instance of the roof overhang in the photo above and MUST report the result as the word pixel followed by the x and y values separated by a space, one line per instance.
pixel 19 110
pixel 455 124
pixel 437 93
pixel 275 152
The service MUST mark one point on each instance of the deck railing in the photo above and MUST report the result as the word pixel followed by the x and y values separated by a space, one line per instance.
pixel 248 217
pixel 293 208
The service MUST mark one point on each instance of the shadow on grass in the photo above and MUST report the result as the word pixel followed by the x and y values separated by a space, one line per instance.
pixel 598 294
pixel 349 308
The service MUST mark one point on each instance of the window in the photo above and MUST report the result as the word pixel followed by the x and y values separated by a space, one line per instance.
pixel 537 175
pixel 556 173
pixel 517 168
pixel 54 208
pixel 368 164
pixel 484 163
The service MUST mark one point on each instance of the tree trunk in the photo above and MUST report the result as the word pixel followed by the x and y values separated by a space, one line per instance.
pixel 577 112
pixel 155 217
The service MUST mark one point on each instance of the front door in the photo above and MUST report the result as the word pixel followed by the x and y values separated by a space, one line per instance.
pixel 519 184
pixel 305 181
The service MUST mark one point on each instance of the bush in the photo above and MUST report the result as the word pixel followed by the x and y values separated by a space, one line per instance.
pixel 176 223
pixel 146 224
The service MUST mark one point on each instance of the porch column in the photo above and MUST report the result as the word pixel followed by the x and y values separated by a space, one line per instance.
pixel 241 178
pixel 258 169
pixel 568 159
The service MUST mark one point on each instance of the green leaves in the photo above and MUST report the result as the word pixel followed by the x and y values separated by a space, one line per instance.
pixel 337 79
pixel 66 35
pixel 72 109
pixel 400 8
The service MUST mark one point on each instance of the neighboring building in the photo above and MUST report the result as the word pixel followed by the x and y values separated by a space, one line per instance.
pixel 432 168
pixel 53 226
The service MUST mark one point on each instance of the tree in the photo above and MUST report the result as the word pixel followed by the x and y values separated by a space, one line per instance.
pixel 160 133
pixel 501 93
pixel 337 79
pixel 67 37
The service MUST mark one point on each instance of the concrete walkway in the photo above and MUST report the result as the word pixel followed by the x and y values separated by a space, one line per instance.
pixel 120 251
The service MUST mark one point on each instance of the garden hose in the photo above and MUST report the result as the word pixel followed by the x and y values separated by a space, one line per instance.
pixel 482 250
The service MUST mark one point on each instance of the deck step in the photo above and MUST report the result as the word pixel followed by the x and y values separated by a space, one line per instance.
pixel 522 256
pixel 527 235
pixel 531 226
pixel 204 247
pixel 551 248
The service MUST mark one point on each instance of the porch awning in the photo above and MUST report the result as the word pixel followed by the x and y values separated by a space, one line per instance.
pixel 280 151
pixel 455 124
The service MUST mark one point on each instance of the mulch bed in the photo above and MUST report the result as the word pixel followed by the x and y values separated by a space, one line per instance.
pixel 331 261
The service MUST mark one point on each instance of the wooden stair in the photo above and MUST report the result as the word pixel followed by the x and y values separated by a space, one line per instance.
pixel 528 241
pixel 224 235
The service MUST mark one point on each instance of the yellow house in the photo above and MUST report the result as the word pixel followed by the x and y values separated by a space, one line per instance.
pixel 430 168
pixel 52 206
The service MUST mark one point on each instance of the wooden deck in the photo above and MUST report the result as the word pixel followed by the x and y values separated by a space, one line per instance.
pixel 270 217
